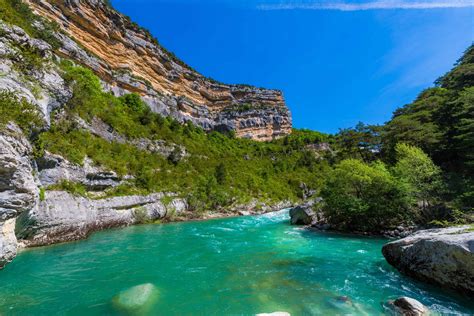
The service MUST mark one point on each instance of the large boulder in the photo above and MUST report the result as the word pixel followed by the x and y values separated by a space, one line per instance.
pixel 302 215
pixel 407 306
pixel 440 256
pixel 307 213
pixel 136 300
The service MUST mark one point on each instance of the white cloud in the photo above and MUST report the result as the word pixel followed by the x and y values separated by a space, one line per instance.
pixel 372 5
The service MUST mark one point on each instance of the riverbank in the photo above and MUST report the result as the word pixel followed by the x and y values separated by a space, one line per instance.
pixel 244 265
pixel 53 222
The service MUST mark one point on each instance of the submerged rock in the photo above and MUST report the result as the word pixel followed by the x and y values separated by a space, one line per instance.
pixel 408 307
pixel 440 256
pixel 137 299
pixel 343 305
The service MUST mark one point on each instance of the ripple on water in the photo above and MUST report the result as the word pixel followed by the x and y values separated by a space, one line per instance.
pixel 229 266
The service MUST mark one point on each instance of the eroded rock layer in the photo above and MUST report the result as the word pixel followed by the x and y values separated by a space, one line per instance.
pixel 129 59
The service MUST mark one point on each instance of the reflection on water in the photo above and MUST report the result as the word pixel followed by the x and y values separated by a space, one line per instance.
pixel 239 266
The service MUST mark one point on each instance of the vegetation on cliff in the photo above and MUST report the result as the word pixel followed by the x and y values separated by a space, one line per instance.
pixel 218 171
pixel 16 12
pixel 23 113
pixel 419 167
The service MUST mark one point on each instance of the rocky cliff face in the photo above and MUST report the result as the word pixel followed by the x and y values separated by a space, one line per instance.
pixel 18 187
pixel 62 217
pixel 28 218
pixel 128 59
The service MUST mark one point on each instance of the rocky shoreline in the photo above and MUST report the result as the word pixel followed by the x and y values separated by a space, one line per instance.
pixel 30 216
pixel 305 214
pixel 444 257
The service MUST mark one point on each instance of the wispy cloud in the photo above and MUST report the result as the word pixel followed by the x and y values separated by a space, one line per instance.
pixel 369 5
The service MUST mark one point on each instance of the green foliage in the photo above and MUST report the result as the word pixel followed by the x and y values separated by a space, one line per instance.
pixel 175 156
pixel 418 171
pixel 462 76
pixel 416 124
pixel 219 170
pixel 441 122
pixel 69 186
pixel 359 196
pixel 300 138
pixel 20 111
pixel 26 60
pixel 361 142
pixel 42 194
pixel 16 12
pixel 221 174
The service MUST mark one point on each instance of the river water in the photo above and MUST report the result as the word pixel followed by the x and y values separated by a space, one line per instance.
pixel 233 266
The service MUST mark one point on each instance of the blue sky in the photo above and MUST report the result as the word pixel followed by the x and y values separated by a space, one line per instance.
pixel 337 62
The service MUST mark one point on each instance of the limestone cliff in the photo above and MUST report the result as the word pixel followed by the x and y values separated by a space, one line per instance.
pixel 128 59
pixel 18 188
pixel 33 209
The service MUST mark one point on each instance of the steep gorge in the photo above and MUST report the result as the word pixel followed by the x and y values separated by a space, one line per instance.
pixel 90 113
pixel 129 59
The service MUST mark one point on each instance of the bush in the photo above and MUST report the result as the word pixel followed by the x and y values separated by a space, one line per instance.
pixel 265 171
pixel 19 13
pixel 74 188
pixel 419 173
pixel 364 197
pixel 20 111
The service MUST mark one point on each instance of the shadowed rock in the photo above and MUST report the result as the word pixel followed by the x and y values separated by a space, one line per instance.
pixel 302 215
pixel 64 217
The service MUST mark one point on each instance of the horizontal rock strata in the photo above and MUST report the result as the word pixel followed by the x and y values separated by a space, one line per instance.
pixel 128 59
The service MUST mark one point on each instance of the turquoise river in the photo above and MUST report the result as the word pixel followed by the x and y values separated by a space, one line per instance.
pixel 233 266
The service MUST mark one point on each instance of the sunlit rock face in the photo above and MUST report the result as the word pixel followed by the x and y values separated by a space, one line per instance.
pixel 128 59
pixel 18 187
pixel 440 256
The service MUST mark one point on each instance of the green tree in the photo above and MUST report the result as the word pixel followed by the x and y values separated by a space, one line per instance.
pixel 441 122
pixel 221 174
pixel 362 142
pixel 359 196
pixel 416 170
pixel 133 102
pixel 175 156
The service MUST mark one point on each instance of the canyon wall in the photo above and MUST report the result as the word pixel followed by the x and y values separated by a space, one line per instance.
pixel 128 59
